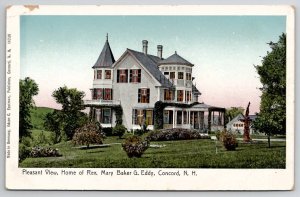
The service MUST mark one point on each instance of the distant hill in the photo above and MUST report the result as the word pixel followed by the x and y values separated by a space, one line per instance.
pixel 38 115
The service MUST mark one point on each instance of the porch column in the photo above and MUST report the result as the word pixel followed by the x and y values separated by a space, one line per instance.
pixel 174 118
pixel 209 120
pixel 198 119
pixel 189 118
pixel 182 117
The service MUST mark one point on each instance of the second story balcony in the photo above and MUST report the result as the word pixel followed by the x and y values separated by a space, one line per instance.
pixel 101 102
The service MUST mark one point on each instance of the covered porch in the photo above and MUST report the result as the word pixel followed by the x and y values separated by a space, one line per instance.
pixel 201 117
pixel 103 112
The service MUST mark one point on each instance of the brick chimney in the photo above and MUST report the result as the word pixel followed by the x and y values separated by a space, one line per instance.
pixel 145 46
pixel 159 51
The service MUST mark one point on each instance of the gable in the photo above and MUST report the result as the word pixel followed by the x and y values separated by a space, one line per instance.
pixel 129 62
pixel 235 119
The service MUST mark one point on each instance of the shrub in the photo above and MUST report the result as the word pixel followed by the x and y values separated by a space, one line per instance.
pixel 134 146
pixel 127 135
pixel 107 131
pixel 175 134
pixel 119 130
pixel 44 152
pixel 229 140
pixel 88 134
pixel 24 152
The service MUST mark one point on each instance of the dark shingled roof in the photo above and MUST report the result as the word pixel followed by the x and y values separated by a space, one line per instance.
pixel 106 57
pixel 150 63
pixel 195 90
pixel 176 59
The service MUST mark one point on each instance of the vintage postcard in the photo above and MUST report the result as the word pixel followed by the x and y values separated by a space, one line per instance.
pixel 183 97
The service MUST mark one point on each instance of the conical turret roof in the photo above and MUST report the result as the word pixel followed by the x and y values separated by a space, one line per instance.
pixel 106 57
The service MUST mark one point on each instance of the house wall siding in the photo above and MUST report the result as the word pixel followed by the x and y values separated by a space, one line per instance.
pixel 127 93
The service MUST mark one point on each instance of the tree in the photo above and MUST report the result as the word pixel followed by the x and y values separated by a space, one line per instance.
pixel 52 123
pixel 272 117
pixel 232 112
pixel 70 117
pixel 28 89
pixel 88 134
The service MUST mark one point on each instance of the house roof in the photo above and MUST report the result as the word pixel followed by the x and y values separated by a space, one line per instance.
pixel 106 57
pixel 237 118
pixel 150 63
pixel 195 90
pixel 176 59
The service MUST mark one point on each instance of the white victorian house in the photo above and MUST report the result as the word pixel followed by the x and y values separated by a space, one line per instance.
pixel 126 91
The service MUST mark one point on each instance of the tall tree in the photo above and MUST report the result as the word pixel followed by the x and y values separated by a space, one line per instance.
pixel 272 72
pixel 28 89
pixel 70 117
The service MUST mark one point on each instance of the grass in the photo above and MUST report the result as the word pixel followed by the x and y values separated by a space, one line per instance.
pixel 38 115
pixel 176 154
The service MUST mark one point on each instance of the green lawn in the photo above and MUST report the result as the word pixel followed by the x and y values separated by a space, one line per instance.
pixel 176 154
pixel 38 115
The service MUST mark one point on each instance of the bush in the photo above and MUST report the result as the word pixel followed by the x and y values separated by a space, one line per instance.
pixel 119 130
pixel 24 152
pixel 127 135
pixel 44 152
pixel 175 134
pixel 107 131
pixel 134 146
pixel 229 140
pixel 88 134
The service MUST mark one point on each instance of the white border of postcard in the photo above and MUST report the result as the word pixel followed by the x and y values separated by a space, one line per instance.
pixel 206 179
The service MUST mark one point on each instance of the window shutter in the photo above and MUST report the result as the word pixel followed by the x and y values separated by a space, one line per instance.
pixel 118 76
pixel 139 76
pixel 126 73
pixel 139 95
pixel 111 94
pixel 130 76
pixel 148 95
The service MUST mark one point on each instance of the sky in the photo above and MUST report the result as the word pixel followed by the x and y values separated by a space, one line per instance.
pixel 61 50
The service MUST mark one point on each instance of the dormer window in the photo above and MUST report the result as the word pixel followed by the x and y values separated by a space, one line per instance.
pixel 107 74
pixel 135 76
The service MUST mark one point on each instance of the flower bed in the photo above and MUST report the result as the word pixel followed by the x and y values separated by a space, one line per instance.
pixel 44 152
pixel 175 134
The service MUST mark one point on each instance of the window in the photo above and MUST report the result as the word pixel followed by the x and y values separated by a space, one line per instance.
pixel 140 117
pixel 180 75
pixel 168 95
pixel 179 95
pixel 188 76
pixel 166 73
pixel 185 117
pixel 106 116
pixel 144 95
pixel 107 94
pixel 122 76
pixel 179 117
pixel 172 75
pixel 107 74
pixel 97 93
pixel 135 76
pixel 149 117
pixel 98 74
pixel 188 96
